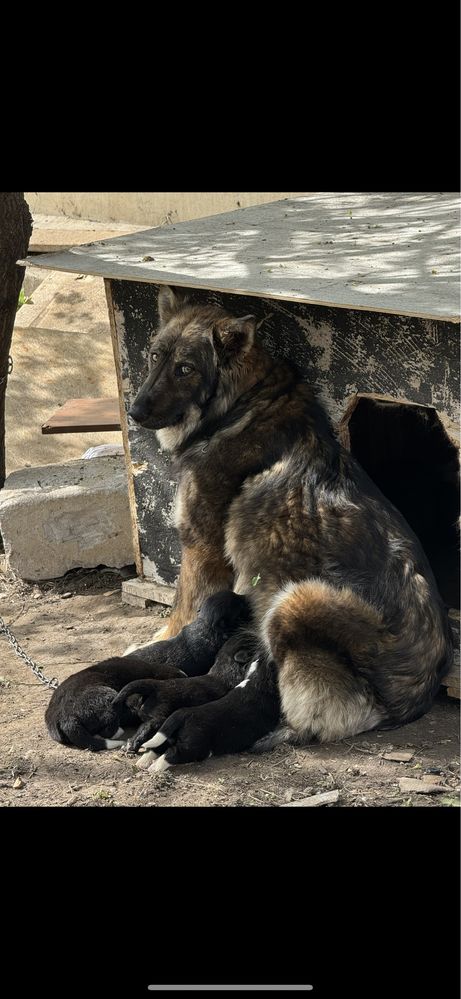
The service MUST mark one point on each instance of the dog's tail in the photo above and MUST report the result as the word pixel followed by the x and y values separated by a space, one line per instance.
pixel 399 667
pixel 314 610
pixel 143 687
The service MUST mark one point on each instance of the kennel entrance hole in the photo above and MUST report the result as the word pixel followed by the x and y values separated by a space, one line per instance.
pixel 406 451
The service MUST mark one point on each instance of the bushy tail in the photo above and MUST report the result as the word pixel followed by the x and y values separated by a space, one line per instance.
pixel 314 611
pixel 403 667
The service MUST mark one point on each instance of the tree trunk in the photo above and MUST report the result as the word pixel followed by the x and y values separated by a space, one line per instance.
pixel 15 233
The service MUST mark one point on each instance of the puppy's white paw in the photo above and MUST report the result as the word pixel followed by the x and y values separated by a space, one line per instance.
pixel 146 760
pixel 113 743
pixel 157 740
pixel 159 766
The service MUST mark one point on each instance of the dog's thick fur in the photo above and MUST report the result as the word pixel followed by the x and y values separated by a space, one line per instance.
pixel 345 601
pixel 84 710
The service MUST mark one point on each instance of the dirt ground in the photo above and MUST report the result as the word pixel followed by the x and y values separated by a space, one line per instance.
pixel 70 623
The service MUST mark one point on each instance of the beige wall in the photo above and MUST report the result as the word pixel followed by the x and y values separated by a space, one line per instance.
pixel 146 208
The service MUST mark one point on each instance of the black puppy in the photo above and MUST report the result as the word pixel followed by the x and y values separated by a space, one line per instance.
pixel 213 715
pixel 163 696
pixel 82 712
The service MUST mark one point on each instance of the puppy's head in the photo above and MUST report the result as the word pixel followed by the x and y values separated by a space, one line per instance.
pixel 193 350
pixel 235 656
pixel 224 612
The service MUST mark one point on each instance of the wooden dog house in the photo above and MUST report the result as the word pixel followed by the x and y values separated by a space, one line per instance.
pixel 361 291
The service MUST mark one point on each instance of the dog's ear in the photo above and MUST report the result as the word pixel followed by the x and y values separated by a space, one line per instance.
pixel 170 301
pixel 234 336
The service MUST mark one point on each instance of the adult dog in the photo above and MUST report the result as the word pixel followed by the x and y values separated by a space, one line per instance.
pixel 354 634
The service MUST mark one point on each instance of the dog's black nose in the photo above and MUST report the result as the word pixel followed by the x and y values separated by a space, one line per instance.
pixel 138 412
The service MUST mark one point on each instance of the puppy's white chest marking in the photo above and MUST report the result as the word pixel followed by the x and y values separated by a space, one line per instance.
pixel 252 669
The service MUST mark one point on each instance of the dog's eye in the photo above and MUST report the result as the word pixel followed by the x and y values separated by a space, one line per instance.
pixel 182 370
pixel 154 358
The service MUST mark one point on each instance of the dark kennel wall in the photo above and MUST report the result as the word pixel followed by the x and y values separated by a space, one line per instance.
pixel 406 451
pixel 341 351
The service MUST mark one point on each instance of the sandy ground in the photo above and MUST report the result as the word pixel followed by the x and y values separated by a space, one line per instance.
pixel 66 633
pixel 61 350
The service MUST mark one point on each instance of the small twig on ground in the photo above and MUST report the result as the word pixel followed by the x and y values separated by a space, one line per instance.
pixel 18 615
pixel 22 683
pixel 207 786
pixel 15 717
pixel 69 662
pixel 353 745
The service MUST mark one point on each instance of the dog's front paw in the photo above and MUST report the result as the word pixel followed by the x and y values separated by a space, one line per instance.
pixel 185 737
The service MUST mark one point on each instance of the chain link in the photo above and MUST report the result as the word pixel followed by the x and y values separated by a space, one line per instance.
pixel 8 370
pixel 4 629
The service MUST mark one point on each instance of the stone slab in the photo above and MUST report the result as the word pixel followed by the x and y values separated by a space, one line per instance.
pixel 59 517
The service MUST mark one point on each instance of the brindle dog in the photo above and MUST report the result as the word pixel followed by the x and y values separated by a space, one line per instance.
pixel 350 620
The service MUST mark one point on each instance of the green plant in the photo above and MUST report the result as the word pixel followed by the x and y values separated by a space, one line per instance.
pixel 103 795
pixel 23 300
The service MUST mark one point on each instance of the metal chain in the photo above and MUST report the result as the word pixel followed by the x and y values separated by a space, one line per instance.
pixel 9 370
pixel 4 629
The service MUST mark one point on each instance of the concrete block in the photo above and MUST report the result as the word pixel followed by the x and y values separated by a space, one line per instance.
pixel 66 302
pixel 32 278
pixel 59 517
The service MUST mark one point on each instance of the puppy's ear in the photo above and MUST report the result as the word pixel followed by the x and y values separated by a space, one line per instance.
pixel 170 301
pixel 243 655
pixel 234 336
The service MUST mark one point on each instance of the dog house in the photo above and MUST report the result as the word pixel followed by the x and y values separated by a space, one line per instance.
pixel 362 292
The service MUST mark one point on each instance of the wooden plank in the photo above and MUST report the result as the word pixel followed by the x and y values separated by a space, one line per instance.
pixel 151 469
pixel 124 426
pixel 141 592
pixel 452 681
pixel 56 233
pixel 388 253
pixel 84 415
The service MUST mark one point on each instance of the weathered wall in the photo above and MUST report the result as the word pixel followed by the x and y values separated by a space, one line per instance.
pixel 341 351
pixel 148 208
